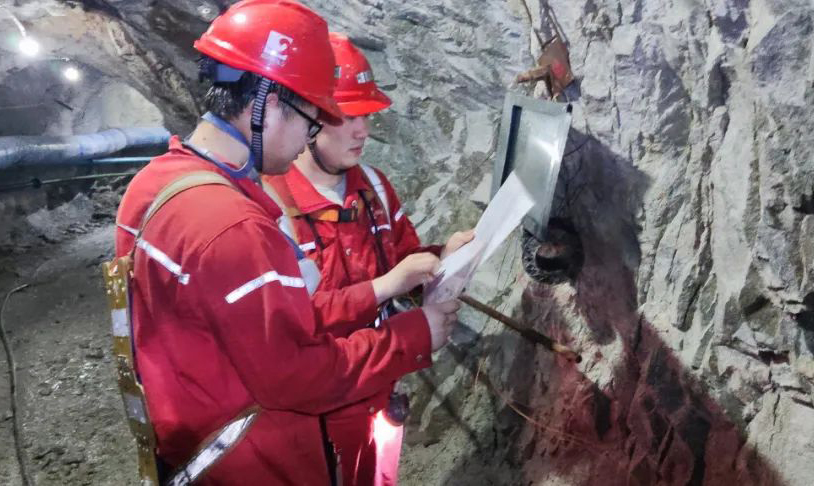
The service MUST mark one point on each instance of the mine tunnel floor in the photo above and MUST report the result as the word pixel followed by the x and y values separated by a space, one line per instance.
pixel 73 430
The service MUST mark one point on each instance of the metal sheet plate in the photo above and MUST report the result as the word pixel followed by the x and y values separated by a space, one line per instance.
pixel 532 140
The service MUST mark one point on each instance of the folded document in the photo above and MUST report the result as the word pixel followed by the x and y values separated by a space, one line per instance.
pixel 506 210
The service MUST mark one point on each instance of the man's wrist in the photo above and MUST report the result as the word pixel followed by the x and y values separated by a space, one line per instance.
pixel 382 288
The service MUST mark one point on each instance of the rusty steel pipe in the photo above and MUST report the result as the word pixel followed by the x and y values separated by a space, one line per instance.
pixel 530 334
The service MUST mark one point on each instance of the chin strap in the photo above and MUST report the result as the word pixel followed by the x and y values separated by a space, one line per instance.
pixel 256 146
pixel 312 147
pixel 258 114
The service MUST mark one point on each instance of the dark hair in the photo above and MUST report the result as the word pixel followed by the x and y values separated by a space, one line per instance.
pixel 228 99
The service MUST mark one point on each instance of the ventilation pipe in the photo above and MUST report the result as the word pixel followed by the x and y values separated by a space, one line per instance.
pixel 19 151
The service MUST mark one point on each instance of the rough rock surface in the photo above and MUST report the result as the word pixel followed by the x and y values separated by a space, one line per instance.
pixel 689 193
pixel 691 199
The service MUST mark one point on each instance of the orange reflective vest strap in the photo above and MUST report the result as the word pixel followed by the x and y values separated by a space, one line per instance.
pixel 117 279
pixel 290 210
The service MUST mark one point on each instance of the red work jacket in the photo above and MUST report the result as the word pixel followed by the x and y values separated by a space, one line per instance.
pixel 345 253
pixel 222 322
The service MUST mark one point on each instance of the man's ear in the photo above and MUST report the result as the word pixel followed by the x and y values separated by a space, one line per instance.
pixel 272 107
pixel 272 100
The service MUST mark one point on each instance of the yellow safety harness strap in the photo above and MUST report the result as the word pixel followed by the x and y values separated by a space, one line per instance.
pixel 116 277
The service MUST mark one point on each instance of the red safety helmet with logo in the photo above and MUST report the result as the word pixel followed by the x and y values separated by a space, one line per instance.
pixel 281 40
pixel 356 91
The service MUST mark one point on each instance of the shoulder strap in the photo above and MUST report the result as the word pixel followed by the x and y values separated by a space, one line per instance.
pixel 284 222
pixel 186 181
pixel 179 185
pixel 376 181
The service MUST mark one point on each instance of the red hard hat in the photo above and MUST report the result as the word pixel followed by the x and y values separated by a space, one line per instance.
pixel 356 92
pixel 281 40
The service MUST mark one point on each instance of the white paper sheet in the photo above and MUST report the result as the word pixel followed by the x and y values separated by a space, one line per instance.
pixel 511 202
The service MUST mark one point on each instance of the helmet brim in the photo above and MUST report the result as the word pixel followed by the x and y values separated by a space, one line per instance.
pixel 332 117
pixel 360 107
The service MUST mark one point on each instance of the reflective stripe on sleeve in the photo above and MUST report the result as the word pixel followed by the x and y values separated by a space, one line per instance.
pixel 130 230
pixel 381 227
pixel 164 260
pixel 399 214
pixel 308 246
pixel 262 280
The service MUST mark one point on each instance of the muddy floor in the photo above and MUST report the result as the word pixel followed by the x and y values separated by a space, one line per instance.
pixel 72 428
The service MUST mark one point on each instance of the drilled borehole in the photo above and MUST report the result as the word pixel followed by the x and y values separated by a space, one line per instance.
pixel 558 258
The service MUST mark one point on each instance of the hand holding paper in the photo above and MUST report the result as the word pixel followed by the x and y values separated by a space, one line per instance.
pixel 501 217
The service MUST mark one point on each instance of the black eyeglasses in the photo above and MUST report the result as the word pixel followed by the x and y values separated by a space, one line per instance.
pixel 314 126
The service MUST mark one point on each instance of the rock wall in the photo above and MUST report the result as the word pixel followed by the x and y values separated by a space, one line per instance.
pixel 691 302
pixel 685 207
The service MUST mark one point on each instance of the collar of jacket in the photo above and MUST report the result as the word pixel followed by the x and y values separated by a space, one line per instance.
pixel 307 198
pixel 250 188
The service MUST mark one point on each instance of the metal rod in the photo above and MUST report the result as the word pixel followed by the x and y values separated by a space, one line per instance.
pixel 121 160
pixel 528 333
pixel 37 183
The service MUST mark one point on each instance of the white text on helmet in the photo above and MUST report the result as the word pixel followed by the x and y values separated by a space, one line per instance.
pixel 276 46
pixel 364 77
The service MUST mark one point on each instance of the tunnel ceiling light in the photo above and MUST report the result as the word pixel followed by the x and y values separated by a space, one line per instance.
pixel 71 74
pixel 205 10
pixel 29 46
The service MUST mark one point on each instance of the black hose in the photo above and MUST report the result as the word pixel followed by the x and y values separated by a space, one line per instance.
pixel 12 375
pixel 36 183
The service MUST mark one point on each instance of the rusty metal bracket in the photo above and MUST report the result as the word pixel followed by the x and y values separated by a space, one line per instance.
pixel 553 68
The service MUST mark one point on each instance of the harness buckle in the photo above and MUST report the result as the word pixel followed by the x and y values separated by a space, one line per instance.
pixel 348 215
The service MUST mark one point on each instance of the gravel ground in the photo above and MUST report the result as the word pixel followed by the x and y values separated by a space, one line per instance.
pixel 73 429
